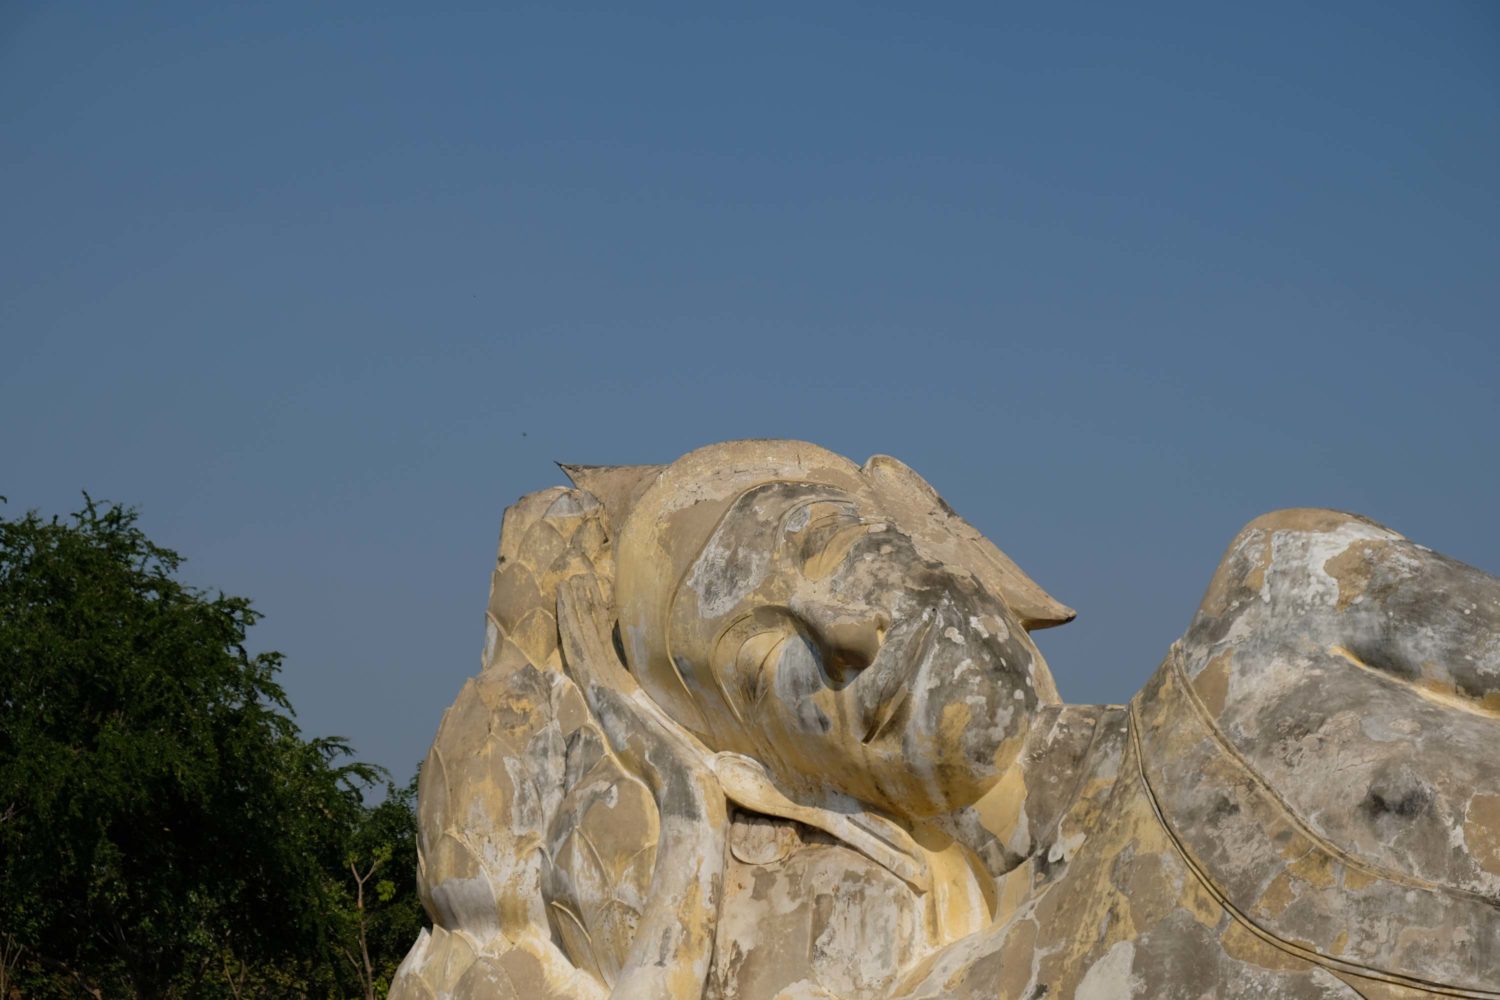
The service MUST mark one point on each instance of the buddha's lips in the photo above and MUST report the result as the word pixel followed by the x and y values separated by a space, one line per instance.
pixel 893 671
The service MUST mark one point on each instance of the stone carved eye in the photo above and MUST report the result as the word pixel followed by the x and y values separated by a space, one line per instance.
pixel 744 652
pixel 823 532
pixel 756 654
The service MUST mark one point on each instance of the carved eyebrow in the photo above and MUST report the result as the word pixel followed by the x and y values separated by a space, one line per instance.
pixel 786 527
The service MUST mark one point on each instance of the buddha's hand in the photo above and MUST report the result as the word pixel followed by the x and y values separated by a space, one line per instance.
pixel 651 745
pixel 673 944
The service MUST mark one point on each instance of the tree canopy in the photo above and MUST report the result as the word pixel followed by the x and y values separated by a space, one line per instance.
pixel 165 828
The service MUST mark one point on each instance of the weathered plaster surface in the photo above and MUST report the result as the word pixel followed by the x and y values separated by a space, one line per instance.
pixel 764 724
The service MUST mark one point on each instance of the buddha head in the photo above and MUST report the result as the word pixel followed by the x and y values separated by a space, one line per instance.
pixel 837 623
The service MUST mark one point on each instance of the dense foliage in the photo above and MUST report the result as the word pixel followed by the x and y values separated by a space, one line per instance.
pixel 165 828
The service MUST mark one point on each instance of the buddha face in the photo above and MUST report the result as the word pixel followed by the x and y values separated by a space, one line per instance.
pixel 816 636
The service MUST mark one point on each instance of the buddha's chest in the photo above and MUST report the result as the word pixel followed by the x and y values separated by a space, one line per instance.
pixel 801 910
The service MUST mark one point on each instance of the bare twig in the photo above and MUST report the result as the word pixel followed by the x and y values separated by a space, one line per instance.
pixel 10 957
pixel 367 969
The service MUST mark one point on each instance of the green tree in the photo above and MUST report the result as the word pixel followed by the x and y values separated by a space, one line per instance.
pixel 165 829
pixel 382 913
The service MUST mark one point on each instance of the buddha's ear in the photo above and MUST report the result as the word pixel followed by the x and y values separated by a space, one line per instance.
pixel 936 527
pixel 616 487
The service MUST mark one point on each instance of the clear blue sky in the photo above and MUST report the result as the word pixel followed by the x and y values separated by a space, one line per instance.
pixel 323 287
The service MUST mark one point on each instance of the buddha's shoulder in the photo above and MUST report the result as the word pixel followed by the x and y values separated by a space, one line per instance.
pixel 1332 807
pixel 1355 676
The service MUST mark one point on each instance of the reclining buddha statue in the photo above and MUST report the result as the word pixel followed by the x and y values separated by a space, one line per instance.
pixel 765 724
